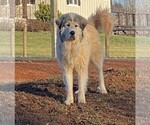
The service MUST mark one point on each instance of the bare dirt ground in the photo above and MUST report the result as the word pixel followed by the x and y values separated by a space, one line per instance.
pixel 40 95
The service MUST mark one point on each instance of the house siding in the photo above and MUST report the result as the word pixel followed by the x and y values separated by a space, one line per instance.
pixel 86 8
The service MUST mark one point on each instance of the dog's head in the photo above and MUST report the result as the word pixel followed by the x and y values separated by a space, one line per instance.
pixel 71 26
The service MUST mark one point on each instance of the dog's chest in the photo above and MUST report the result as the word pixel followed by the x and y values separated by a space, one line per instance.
pixel 70 52
pixel 74 53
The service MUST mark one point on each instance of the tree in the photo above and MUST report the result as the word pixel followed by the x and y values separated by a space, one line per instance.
pixel 123 5
pixel 12 8
pixel 117 7
pixel 24 6
pixel 17 2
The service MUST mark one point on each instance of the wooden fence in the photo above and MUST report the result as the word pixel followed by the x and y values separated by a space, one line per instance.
pixel 131 23
pixel 124 23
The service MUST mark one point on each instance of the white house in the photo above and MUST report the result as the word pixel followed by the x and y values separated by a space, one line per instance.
pixel 82 7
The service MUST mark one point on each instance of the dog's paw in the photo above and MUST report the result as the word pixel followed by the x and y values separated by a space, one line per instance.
pixel 69 101
pixel 103 91
pixel 81 101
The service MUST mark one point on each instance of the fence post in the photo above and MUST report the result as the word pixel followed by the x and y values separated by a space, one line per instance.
pixel 12 39
pixel 25 40
pixel 12 30
pixel 133 19
pixel 126 16
pixel 107 46
pixel 54 15
pixel 118 18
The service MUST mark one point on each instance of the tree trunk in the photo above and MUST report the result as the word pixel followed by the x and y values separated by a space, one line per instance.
pixel 24 6
pixel 12 8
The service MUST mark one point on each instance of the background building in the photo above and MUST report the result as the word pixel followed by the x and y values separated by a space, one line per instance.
pixel 82 7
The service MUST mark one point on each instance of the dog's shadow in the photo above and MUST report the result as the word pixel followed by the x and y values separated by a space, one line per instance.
pixel 52 88
pixel 39 88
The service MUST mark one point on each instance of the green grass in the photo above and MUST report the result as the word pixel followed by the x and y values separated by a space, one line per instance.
pixel 5 47
pixel 142 46
pixel 121 46
pixel 39 45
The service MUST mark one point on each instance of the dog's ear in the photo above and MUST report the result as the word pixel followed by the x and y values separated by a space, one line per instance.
pixel 81 21
pixel 62 20
pixel 59 22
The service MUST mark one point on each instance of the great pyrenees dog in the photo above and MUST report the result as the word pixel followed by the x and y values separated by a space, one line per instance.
pixel 78 44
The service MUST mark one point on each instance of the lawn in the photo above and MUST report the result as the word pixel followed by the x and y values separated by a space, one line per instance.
pixel 39 45
pixel 121 46
pixel 5 44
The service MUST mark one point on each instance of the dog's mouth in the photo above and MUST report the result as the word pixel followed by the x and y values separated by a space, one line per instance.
pixel 72 37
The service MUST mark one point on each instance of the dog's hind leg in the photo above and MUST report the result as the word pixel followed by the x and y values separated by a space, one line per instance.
pixel 68 80
pixel 101 88
pixel 99 66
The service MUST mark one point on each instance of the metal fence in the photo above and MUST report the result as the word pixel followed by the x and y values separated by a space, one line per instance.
pixel 39 45
pixel 7 31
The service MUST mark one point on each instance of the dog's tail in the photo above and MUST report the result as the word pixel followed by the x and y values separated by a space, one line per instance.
pixel 102 20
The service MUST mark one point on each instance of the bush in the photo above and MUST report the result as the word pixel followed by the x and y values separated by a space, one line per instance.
pixel 34 25
pixel 44 12
pixel 38 25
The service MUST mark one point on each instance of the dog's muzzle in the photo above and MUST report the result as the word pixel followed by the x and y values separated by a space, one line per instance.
pixel 72 35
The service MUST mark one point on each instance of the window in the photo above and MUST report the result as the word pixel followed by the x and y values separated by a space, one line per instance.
pixel 31 1
pixel 3 2
pixel 17 2
pixel 73 2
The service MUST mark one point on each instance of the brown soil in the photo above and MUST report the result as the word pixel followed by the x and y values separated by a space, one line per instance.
pixel 40 95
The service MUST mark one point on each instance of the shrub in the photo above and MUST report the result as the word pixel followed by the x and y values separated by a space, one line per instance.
pixel 38 25
pixel 44 12
pixel 34 25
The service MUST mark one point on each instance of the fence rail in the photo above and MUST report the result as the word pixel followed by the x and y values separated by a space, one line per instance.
pixel 131 23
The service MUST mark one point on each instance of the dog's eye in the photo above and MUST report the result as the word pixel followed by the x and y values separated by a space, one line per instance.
pixel 68 25
pixel 76 25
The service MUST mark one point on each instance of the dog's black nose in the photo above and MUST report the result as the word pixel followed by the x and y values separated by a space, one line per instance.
pixel 72 33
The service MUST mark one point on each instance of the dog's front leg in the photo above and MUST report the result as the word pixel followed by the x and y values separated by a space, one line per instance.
pixel 82 81
pixel 68 80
